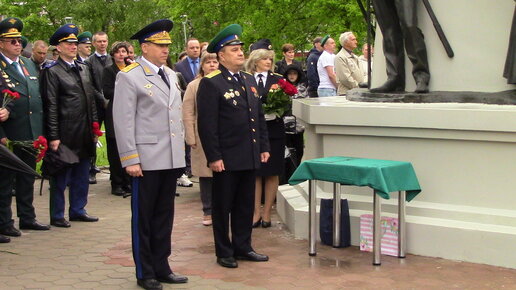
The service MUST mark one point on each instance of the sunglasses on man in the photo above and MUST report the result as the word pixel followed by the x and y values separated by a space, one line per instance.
pixel 13 41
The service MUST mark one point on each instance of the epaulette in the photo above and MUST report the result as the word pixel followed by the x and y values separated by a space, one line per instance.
pixel 213 73
pixel 130 67
pixel 49 65
pixel 247 72
pixel 277 74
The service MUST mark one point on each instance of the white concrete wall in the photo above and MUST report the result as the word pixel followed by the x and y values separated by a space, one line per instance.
pixel 478 31
pixel 465 159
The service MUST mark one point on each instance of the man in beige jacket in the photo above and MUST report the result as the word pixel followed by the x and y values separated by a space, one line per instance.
pixel 347 67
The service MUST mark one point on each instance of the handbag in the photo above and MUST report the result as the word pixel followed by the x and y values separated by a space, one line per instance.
pixel 326 223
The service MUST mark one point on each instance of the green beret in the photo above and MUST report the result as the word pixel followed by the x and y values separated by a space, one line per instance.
pixel 227 36
pixel 325 38
pixel 11 28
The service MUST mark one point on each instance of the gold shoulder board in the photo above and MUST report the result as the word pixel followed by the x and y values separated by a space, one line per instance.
pixel 277 74
pixel 213 73
pixel 130 67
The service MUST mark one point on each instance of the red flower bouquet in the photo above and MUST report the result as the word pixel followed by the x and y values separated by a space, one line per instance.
pixel 38 148
pixel 96 129
pixel 279 98
pixel 9 96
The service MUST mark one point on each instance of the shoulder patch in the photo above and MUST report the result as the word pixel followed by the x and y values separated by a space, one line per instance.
pixel 130 67
pixel 49 65
pixel 213 73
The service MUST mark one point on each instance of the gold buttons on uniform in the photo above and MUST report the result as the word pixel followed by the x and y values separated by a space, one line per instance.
pixel 252 120
pixel 254 140
pixel 173 135
pixel 254 130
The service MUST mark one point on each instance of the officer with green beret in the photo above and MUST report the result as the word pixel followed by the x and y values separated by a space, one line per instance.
pixel 84 46
pixel 234 137
pixel 24 123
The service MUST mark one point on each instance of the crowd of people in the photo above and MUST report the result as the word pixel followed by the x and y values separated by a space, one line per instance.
pixel 164 122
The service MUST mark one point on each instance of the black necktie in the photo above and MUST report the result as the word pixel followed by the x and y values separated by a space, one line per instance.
pixel 260 82
pixel 163 77
pixel 103 59
pixel 237 77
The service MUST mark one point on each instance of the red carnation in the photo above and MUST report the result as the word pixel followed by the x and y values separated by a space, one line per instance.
pixel 9 96
pixel 41 147
pixel 96 129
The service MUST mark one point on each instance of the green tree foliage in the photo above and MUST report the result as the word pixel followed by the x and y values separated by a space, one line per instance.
pixel 282 21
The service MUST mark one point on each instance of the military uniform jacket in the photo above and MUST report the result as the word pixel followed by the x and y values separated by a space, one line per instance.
pixel 230 120
pixel 26 114
pixel 147 118
pixel 69 106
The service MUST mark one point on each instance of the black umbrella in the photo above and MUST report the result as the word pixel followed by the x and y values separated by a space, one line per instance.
pixel 10 161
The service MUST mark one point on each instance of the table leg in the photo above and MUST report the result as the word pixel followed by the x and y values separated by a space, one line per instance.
pixel 312 204
pixel 336 215
pixel 377 229
pixel 402 229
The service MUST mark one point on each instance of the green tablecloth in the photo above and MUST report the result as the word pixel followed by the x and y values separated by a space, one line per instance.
pixel 384 176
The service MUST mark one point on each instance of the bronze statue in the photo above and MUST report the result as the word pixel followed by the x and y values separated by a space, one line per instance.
pixel 398 22
pixel 509 71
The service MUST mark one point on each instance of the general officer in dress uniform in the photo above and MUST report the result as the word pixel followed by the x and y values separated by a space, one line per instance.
pixel 25 123
pixel 234 137
pixel 150 139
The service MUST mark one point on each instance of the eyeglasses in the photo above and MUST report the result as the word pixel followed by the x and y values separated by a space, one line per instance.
pixel 14 41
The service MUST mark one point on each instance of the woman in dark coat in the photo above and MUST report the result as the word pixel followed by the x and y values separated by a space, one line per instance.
pixel 289 52
pixel 260 64
pixel 120 181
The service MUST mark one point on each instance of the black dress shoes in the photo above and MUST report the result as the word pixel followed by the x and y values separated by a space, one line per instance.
pixel 149 284
pixel 60 223
pixel 266 224
pixel 84 218
pixel 389 86
pixel 253 256
pixel 10 231
pixel 173 279
pixel 228 262
pixel 93 178
pixel 421 87
pixel 4 239
pixel 33 225
pixel 258 223
pixel 127 188
pixel 117 190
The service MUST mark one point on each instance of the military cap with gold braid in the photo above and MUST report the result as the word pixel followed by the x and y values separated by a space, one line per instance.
pixel 227 36
pixel 11 27
pixel 67 32
pixel 157 32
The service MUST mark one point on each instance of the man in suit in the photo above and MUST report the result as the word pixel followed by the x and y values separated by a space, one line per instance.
pixel 234 137
pixel 150 139
pixel 24 123
pixel 398 21
pixel 69 106
pixel 84 46
pixel 97 62
pixel 189 67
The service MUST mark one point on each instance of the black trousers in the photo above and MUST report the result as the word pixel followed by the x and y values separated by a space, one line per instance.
pixel 118 175
pixel 152 205
pixel 233 201
pixel 24 186
pixel 398 21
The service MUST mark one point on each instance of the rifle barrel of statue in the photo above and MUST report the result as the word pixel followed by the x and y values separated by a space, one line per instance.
pixel 438 29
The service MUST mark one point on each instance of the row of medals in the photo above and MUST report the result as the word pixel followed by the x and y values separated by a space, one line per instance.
pixel 7 80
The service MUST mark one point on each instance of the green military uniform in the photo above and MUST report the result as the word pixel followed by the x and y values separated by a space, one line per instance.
pixel 25 123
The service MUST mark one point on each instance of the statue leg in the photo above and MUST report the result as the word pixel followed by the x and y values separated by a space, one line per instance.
pixel 388 20
pixel 414 43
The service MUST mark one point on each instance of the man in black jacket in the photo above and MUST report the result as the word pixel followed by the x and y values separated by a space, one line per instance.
pixel 311 67
pixel 234 137
pixel 69 109
pixel 97 62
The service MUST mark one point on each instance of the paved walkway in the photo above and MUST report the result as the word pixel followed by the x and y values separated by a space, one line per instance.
pixel 98 256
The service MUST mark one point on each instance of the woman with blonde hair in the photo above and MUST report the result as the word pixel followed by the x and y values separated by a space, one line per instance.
pixel 208 64
pixel 260 64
